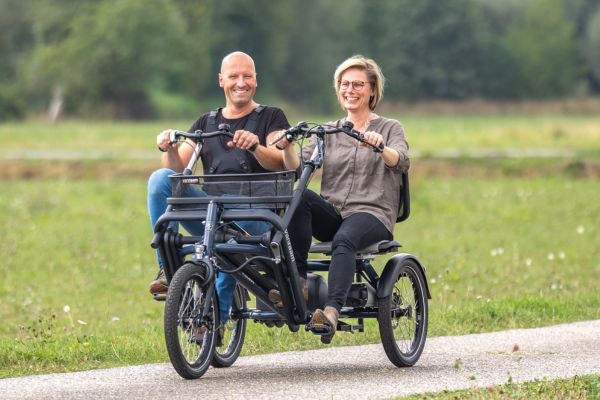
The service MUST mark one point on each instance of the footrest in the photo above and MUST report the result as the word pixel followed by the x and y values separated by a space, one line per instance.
pixel 159 296
pixel 344 327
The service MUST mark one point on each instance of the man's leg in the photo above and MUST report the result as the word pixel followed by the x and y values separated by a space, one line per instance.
pixel 159 189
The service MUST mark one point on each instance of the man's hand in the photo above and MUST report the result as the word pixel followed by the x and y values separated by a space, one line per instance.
pixel 162 141
pixel 244 140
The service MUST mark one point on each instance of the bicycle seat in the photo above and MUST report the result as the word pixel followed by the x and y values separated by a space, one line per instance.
pixel 382 247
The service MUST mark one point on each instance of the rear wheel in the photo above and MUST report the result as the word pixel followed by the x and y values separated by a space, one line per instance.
pixel 233 331
pixel 191 337
pixel 402 316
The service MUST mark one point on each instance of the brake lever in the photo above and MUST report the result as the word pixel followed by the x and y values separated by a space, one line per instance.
pixel 290 134
pixel 348 127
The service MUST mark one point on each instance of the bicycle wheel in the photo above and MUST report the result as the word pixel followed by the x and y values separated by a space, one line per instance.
pixel 402 316
pixel 190 338
pixel 234 333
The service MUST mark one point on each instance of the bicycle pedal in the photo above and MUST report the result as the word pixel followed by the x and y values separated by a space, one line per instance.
pixel 159 296
pixel 318 329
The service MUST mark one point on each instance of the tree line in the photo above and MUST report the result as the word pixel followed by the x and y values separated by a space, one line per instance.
pixel 160 58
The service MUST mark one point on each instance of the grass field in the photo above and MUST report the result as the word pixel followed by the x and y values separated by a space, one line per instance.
pixel 502 250
pixel 426 134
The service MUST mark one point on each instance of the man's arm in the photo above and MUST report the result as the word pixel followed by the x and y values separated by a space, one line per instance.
pixel 270 157
pixel 175 155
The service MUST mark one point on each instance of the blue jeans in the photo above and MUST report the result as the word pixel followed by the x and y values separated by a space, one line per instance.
pixel 159 189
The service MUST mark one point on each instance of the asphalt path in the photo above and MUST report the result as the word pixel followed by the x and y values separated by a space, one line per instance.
pixel 352 372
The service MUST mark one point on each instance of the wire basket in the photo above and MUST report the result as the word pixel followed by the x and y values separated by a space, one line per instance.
pixel 272 190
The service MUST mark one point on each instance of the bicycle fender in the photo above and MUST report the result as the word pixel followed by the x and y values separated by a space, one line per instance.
pixel 390 272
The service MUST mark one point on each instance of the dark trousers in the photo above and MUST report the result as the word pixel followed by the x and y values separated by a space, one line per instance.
pixel 316 217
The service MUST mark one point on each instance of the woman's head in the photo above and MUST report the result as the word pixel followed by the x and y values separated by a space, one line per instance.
pixel 358 81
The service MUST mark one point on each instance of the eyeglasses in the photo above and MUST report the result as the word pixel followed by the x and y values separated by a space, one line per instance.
pixel 356 85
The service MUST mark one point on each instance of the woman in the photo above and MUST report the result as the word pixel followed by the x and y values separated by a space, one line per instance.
pixel 358 204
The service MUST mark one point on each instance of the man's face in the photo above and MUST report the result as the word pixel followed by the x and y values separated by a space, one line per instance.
pixel 238 80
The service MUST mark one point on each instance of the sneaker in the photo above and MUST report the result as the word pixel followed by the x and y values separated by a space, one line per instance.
pixel 275 295
pixel 160 284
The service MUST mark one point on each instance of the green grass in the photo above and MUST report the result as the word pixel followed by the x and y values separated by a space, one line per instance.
pixel 499 254
pixel 426 134
pixel 578 387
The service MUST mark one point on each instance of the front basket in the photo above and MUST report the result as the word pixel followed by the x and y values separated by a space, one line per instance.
pixel 271 190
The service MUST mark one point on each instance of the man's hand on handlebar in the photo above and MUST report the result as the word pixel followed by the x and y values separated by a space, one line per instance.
pixel 245 140
pixel 164 140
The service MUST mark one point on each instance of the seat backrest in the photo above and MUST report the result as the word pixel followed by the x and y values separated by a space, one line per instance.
pixel 404 201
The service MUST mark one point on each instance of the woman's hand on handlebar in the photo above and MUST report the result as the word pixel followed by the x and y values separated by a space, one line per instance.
pixel 372 139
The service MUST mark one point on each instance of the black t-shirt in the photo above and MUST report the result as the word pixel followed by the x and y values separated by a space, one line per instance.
pixel 217 158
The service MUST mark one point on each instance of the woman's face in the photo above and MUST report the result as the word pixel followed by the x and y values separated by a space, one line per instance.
pixel 354 90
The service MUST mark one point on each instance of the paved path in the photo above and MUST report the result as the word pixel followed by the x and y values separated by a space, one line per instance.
pixel 358 372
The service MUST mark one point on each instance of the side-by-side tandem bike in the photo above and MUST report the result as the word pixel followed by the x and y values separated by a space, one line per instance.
pixel 397 297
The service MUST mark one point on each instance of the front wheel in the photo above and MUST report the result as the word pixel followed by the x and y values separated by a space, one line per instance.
pixel 402 316
pixel 232 333
pixel 191 321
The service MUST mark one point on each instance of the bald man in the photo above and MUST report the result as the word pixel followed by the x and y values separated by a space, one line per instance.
pixel 254 126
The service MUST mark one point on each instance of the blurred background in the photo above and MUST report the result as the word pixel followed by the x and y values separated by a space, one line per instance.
pixel 132 59
pixel 500 100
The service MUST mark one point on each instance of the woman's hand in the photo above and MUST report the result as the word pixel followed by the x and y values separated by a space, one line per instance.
pixel 372 138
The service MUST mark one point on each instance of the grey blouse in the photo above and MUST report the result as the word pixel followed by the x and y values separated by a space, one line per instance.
pixel 355 178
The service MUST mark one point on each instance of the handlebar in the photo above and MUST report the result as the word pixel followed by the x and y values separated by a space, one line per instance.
pixel 306 129
pixel 197 136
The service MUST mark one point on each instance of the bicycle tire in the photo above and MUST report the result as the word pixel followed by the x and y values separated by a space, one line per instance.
pixel 190 341
pixel 234 333
pixel 403 316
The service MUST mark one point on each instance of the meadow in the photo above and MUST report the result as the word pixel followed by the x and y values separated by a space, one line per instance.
pixel 507 242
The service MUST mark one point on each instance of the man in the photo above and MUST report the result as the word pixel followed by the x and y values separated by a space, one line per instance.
pixel 253 125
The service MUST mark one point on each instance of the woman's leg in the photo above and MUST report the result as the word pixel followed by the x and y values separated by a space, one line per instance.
pixel 356 232
pixel 316 217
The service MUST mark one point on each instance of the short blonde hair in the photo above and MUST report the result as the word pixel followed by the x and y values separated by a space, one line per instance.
pixel 374 74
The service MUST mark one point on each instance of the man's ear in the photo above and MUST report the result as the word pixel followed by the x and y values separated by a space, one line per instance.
pixel 220 80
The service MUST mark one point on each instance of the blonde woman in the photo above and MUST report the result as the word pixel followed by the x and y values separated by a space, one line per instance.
pixel 359 201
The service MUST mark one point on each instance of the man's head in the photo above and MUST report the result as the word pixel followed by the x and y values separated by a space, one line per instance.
pixel 238 79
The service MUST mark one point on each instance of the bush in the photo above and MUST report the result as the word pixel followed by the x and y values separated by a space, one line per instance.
pixel 12 104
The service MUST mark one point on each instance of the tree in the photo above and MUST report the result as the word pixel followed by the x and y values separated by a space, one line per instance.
pixel 14 37
pixel 544 44
pixel 115 53
pixel 429 48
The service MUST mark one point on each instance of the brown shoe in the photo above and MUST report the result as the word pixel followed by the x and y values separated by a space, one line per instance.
pixel 159 285
pixel 322 319
pixel 275 295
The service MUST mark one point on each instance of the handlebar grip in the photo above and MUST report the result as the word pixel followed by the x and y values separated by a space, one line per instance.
pixel 277 139
pixel 173 136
